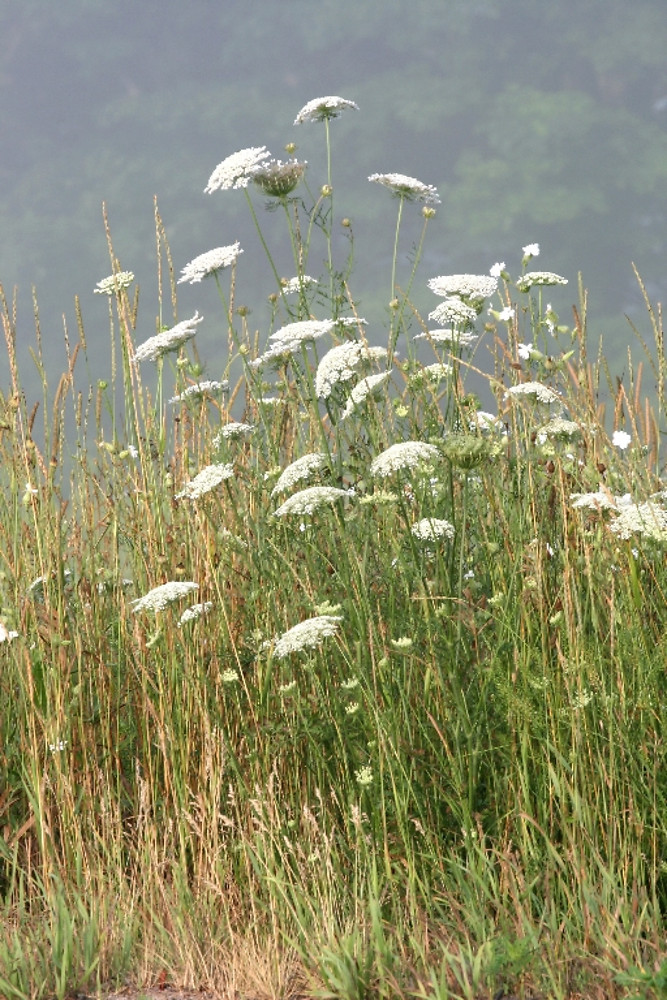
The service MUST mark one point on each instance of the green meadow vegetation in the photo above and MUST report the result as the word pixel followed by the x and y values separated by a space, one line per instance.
pixel 338 670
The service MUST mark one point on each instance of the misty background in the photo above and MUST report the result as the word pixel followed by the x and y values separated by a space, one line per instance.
pixel 537 122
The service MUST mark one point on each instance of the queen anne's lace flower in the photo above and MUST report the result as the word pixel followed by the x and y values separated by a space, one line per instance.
pixel 199 390
pixel 403 455
pixel 299 469
pixel 194 612
pixel 277 179
pixel 311 499
pixel 232 431
pixel 454 311
pixel 307 635
pixel 210 262
pixel 362 390
pixel 158 598
pixel 559 428
pixel 168 340
pixel 296 284
pixel 602 499
pixel 475 287
pixel 205 481
pixel 538 392
pixel 341 363
pixel 323 107
pixel 452 338
pixel 430 528
pixel 646 518
pixel 114 283
pixel 237 170
pixel 526 281
pixel 288 339
pixel 408 188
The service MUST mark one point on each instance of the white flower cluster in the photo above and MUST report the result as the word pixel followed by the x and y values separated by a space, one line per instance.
pixel 648 518
pixel 236 170
pixel 450 337
pixel 158 598
pixel 168 340
pixel 288 339
pixel 300 468
pixel 536 391
pixel 291 285
pixel 559 428
pixel 483 421
pixel 475 287
pixel 324 107
pixel 311 499
pixel 602 499
pixel 455 311
pixel 232 431
pixel 210 262
pixel 430 528
pixel 307 635
pixel 408 188
pixel 205 481
pixel 194 612
pixel 199 390
pixel 362 390
pixel 114 283
pixel 526 281
pixel 403 455
pixel 340 364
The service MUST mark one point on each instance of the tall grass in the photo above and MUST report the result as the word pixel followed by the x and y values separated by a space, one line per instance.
pixel 449 782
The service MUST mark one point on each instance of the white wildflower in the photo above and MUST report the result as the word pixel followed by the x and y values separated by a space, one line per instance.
pixel 408 187
pixel 559 428
pixel 7 635
pixel 309 500
pixel 168 340
pixel 506 315
pixel 497 269
pixel 158 598
pixel 403 455
pixel 352 708
pixel 114 283
pixel 602 499
pixel 340 364
pixel 621 439
pixel 210 262
pixel 291 285
pixel 232 431
pixel 430 528
pixel 523 351
pixel 194 612
pixel 236 170
pixel 437 372
pixel 452 338
pixel 364 776
pixel 403 642
pixel 58 746
pixel 307 329
pixel 362 390
pixel 454 311
pixel 229 676
pixel 307 635
pixel 324 107
pixel 205 481
pixel 300 468
pixel 201 389
pixel 484 421
pixel 475 287
pixel 531 250
pixel 526 281
pixel 646 518
pixel 277 179
pixel 538 392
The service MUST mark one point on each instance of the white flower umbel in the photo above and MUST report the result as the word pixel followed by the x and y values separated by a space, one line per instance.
pixel 431 528
pixel 483 421
pixel 560 429
pixel 536 391
pixel 159 598
pixel 452 338
pixel 526 281
pixel 475 287
pixel 531 250
pixel 311 499
pixel 648 518
pixel 194 612
pixel 289 339
pixel 341 363
pixel 602 499
pixel 199 390
pixel 324 107
pixel 497 269
pixel 209 263
pixel 277 179
pixel 205 481
pixel 362 390
pixel 298 470
pixel 454 311
pixel 168 340
pixel 236 170
pixel 621 439
pixel 114 283
pixel 408 188
pixel 292 285
pixel 233 431
pixel 404 455
pixel 308 634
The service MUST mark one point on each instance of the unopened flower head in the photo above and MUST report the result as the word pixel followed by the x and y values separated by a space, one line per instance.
pixel 114 283
pixel 159 598
pixel 236 171
pixel 454 311
pixel 205 481
pixel 526 281
pixel 431 528
pixel 168 340
pixel 324 107
pixel 313 498
pixel 299 469
pixel 404 455
pixel 341 364
pixel 408 188
pixel 199 390
pixel 470 287
pixel 194 612
pixel 536 391
pixel 362 390
pixel 308 634
pixel 210 263
pixel 277 179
